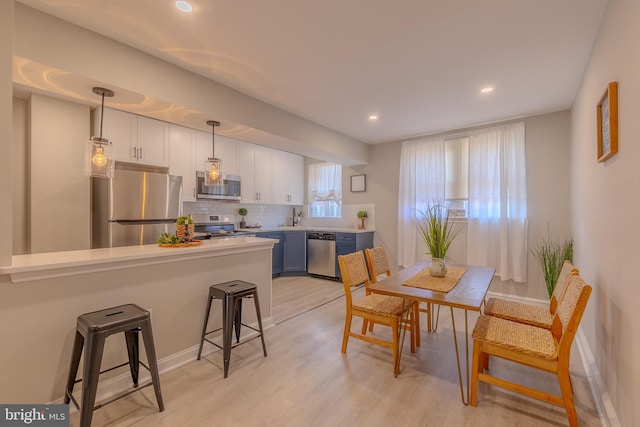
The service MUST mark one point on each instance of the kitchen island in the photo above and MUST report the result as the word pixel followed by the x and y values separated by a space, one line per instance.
pixel 41 295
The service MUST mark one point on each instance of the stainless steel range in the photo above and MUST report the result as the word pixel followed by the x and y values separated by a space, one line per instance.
pixel 215 226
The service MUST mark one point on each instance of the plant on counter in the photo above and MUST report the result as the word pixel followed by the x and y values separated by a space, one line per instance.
pixel 437 234
pixel 185 228
pixel 184 219
pixel 362 214
pixel 166 238
pixel 551 254
pixel 242 212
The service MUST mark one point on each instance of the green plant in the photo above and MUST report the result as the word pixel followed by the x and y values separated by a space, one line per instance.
pixel 242 212
pixel 166 238
pixel 184 219
pixel 551 254
pixel 362 214
pixel 436 230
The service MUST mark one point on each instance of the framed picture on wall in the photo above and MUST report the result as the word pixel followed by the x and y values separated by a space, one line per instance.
pixel 608 123
pixel 358 183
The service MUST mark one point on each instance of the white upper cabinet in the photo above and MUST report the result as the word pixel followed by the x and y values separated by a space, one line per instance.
pixel 256 170
pixel 121 129
pixel 182 144
pixel 153 142
pixel 135 139
pixel 226 150
pixel 288 178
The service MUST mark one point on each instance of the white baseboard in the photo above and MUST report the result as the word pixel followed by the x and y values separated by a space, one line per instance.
pixel 121 383
pixel 604 406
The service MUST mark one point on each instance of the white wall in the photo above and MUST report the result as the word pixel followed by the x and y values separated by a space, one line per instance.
pixel 59 189
pixel 20 187
pixel 606 208
pixel 547 151
pixel 6 120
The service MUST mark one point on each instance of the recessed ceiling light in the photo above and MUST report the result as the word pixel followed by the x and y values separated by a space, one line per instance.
pixel 373 117
pixel 184 6
pixel 487 89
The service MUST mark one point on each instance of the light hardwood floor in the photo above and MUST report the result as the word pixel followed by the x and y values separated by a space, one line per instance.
pixel 307 381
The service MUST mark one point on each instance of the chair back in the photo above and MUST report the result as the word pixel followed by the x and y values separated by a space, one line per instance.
pixel 561 285
pixel 569 313
pixel 377 262
pixel 353 271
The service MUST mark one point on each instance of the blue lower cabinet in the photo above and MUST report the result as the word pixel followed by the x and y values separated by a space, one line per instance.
pixel 347 243
pixel 294 252
pixel 277 251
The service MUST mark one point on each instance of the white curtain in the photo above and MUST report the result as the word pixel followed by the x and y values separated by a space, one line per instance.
pixel 325 182
pixel 422 182
pixel 497 224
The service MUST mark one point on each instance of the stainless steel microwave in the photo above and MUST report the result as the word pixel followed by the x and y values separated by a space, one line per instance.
pixel 229 191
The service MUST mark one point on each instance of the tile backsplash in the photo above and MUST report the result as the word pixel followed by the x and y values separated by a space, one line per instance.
pixel 280 215
pixel 265 215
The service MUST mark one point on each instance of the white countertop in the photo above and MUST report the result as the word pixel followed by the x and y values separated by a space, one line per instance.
pixel 306 228
pixel 57 264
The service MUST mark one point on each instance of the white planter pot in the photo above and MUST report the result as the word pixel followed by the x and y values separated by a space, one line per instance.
pixel 438 267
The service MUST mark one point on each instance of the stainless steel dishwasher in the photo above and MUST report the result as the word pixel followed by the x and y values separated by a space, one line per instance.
pixel 321 253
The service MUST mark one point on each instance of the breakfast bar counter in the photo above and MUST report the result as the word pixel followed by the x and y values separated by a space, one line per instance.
pixel 41 296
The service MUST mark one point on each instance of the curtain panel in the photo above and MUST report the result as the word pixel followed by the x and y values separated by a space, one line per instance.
pixel 422 182
pixel 497 224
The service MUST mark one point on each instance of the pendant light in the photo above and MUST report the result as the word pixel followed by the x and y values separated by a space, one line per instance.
pixel 213 165
pixel 99 157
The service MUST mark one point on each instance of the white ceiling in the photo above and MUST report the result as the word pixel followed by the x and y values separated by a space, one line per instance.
pixel 418 64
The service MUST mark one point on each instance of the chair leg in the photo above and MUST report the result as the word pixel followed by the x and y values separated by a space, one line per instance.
pixel 396 346
pixel 365 323
pixel 257 303
pixel 204 327
pixel 149 345
pixel 412 328
pixel 90 375
pixel 416 318
pixel 567 396
pixel 133 351
pixel 73 367
pixel 347 329
pixel 476 368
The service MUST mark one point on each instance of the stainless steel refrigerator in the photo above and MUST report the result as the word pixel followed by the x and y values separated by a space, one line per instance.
pixel 134 207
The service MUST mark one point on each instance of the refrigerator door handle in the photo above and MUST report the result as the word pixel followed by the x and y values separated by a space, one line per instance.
pixel 144 221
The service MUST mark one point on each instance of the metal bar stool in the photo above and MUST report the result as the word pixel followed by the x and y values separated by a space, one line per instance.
pixel 94 328
pixel 231 293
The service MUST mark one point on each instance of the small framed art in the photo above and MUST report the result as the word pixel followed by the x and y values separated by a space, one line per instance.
pixel 608 123
pixel 358 183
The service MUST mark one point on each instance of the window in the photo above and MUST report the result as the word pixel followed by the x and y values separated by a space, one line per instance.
pixel 325 190
pixel 456 161
pixel 482 176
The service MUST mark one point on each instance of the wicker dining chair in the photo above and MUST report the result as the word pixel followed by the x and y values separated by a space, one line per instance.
pixel 545 349
pixel 380 309
pixel 378 264
pixel 541 317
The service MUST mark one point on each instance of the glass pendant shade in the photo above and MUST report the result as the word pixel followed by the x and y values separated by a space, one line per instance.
pixel 213 165
pixel 213 169
pixel 99 158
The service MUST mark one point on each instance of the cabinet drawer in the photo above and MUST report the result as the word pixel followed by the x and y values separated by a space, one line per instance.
pixel 345 237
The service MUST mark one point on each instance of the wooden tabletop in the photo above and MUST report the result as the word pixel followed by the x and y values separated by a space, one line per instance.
pixel 468 293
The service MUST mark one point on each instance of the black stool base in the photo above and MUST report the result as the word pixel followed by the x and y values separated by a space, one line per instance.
pixel 92 331
pixel 231 293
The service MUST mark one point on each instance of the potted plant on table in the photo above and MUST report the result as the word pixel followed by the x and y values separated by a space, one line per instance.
pixel 243 213
pixel 438 233
pixel 185 228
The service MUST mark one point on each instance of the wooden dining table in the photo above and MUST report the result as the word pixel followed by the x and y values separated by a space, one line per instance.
pixel 468 295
